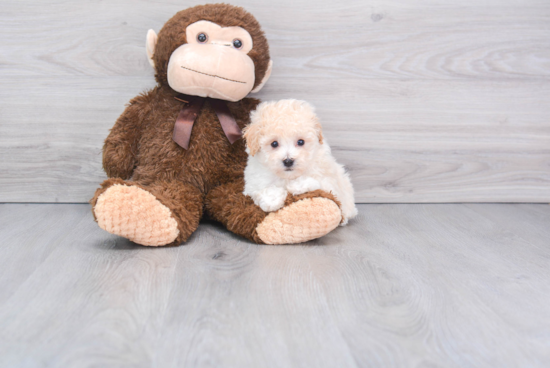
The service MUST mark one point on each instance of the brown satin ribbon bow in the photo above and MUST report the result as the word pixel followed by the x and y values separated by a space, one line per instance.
pixel 188 114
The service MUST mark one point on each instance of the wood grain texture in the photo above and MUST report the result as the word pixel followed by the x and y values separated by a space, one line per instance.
pixel 428 102
pixel 427 285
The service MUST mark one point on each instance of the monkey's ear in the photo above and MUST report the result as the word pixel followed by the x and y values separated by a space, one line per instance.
pixel 251 133
pixel 265 78
pixel 150 45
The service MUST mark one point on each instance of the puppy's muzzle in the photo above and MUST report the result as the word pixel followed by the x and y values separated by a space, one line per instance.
pixel 288 162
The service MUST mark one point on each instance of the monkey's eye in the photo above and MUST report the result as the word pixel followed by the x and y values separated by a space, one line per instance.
pixel 237 43
pixel 301 142
pixel 202 37
pixel 274 144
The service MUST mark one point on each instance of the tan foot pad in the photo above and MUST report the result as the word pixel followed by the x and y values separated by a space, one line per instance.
pixel 301 221
pixel 135 214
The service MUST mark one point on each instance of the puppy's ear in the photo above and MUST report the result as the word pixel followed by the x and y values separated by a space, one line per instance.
pixel 318 130
pixel 251 134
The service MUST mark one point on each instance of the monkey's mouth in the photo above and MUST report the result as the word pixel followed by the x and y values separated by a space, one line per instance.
pixel 212 75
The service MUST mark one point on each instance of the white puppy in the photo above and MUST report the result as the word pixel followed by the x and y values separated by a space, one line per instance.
pixel 287 154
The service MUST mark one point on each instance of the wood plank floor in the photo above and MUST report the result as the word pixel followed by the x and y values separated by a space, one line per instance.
pixel 426 285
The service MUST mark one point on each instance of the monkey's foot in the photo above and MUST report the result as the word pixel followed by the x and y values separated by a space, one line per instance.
pixel 136 214
pixel 300 221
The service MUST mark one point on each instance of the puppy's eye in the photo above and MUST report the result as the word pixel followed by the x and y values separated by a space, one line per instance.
pixel 202 37
pixel 274 144
pixel 301 142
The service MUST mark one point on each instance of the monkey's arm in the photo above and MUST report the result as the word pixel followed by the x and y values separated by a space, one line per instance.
pixel 120 147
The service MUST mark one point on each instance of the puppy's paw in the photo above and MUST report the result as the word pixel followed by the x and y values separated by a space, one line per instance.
pixel 303 184
pixel 270 199
pixel 349 211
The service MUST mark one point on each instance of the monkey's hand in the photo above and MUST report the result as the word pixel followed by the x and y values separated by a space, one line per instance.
pixel 118 159
pixel 270 199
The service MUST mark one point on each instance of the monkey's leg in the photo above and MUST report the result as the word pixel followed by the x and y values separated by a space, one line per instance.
pixel 304 217
pixel 164 213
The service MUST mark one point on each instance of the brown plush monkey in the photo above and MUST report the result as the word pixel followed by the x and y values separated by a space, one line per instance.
pixel 179 142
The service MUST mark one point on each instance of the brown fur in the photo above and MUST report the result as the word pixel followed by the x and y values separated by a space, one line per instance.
pixel 209 175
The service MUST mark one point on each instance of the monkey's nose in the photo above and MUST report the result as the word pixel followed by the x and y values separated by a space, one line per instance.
pixel 288 162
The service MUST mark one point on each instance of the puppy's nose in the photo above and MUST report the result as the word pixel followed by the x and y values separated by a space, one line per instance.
pixel 288 162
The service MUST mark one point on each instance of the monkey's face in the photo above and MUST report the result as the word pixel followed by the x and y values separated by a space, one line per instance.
pixel 213 50
pixel 214 62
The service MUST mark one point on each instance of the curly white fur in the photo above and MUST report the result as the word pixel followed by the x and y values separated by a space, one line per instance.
pixel 268 180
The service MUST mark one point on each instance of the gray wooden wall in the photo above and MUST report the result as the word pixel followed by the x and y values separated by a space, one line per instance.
pixel 424 101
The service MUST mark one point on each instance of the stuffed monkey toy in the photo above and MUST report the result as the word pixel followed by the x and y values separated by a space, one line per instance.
pixel 176 153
